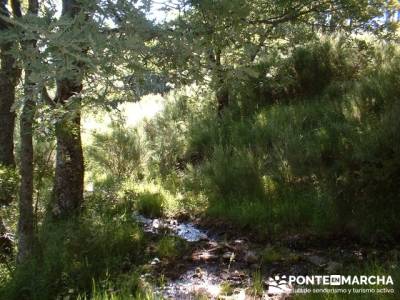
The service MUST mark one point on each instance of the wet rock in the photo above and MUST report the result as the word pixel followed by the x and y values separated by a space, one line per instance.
pixel 186 231
pixel 239 294
pixel 155 261
pixel 228 255
pixel 213 244
pixel 173 222
pixel 239 241
pixel 225 276
pixel 156 223
pixel 192 284
pixel 198 273
pixel 203 255
pixel 238 274
pixel 190 233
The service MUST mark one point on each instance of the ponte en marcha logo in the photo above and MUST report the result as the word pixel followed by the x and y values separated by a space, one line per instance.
pixel 331 283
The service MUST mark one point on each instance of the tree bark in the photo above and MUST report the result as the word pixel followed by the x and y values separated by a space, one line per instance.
pixel 222 99
pixel 9 75
pixel 26 220
pixel 222 93
pixel 8 81
pixel 69 173
pixel 26 234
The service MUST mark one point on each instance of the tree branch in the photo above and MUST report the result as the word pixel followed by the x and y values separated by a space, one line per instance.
pixel 16 8
pixel 289 15
pixel 46 97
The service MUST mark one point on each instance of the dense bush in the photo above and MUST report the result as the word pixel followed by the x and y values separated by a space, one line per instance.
pixel 101 246
pixel 117 152
pixel 325 157
pixel 317 65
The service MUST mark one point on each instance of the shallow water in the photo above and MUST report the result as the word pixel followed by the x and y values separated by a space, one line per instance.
pixel 210 271
pixel 186 231
pixel 210 281
pixel 195 281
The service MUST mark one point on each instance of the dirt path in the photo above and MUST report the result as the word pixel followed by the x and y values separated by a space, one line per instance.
pixel 217 267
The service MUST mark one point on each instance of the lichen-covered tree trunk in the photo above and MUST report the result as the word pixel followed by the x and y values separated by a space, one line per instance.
pixel 69 173
pixel 8 80
pixel 222 99
pixel 9 75
pixel 25 221
pixel 222 93
pixel 26 235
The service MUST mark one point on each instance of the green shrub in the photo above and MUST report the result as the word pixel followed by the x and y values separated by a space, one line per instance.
pixel 170 247
pixel 74 253
pixel 117 153
pixel 234 175
pixel 319 64
pixel 8 184
pixel 150 204
pixel 322 156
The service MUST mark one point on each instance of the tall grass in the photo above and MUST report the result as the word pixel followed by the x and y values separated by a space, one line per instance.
pixel 100 245
pixel 312 157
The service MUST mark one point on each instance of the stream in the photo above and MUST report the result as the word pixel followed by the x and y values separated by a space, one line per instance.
pixel 215 268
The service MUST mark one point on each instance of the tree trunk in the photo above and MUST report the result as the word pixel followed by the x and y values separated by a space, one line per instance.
pixel 26 220
pixel 7 121
pixel 9 75
pixel 69 174
pixel 222 93
pixel 26 234
pixel 222 99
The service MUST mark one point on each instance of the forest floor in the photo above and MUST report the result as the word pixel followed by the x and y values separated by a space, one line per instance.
pixel 218 262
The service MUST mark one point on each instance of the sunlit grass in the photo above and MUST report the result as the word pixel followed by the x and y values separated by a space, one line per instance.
pixel 132 113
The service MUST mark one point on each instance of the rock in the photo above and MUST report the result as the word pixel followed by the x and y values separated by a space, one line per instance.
pixel 333 267
pixel 251 257
pixel 239 294
pixel 239 241
pixel 224 276
pixel 173 222
pixel 203 255
pixel 317 260
pixel 238 274
pixel 228 255
pixel 198 273
pixel 156 223
pixel 213 244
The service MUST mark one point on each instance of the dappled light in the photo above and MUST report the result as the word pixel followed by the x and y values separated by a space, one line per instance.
pixel 226 150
